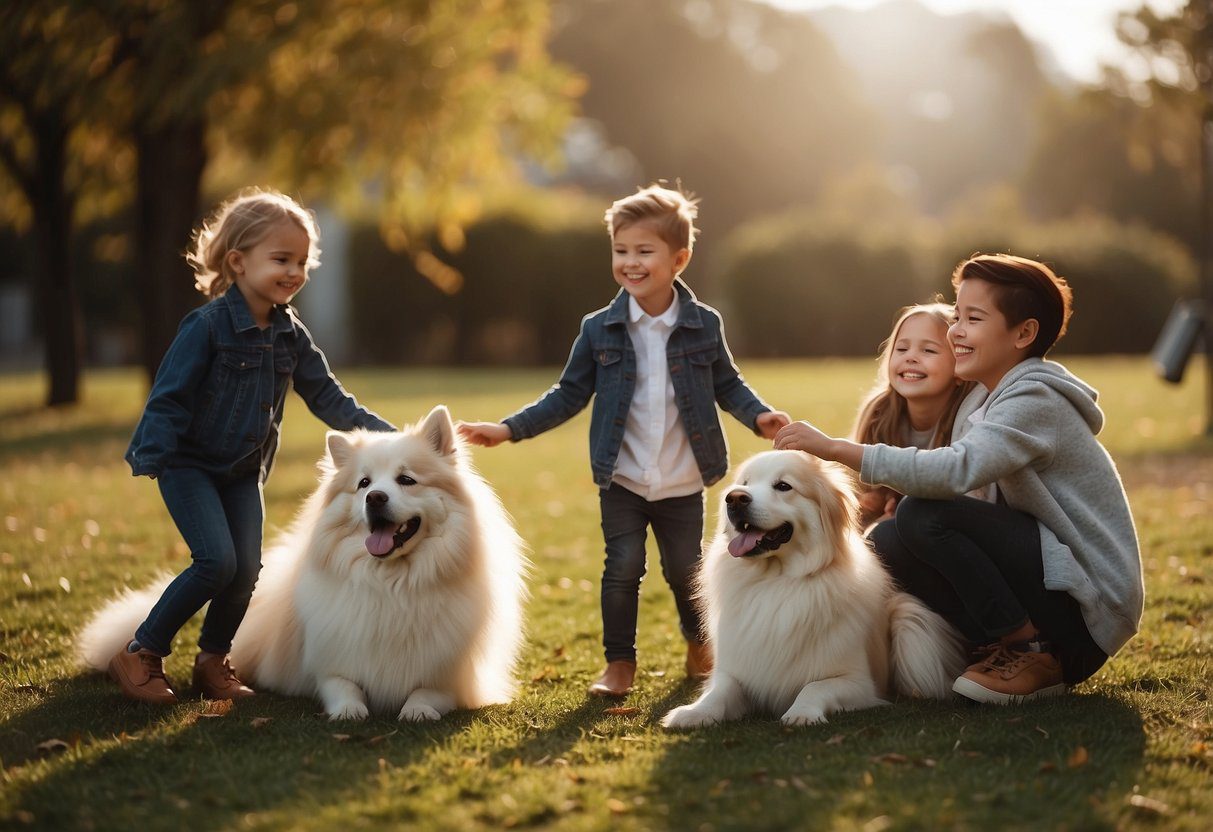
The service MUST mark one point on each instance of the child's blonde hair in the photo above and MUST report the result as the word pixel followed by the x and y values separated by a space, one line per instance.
pixel 884 415
pixel 238 224
pixel 669 212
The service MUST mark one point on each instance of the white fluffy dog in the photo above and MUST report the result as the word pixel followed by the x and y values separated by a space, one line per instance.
pixel 804 620
pixel 398 588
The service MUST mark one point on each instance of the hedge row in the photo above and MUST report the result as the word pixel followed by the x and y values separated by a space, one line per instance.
pixel 794 285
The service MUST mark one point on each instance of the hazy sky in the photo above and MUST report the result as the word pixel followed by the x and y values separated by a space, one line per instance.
pixel 1079 33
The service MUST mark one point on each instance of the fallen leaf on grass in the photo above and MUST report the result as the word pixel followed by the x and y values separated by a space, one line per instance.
pixel 381 738
pixel 341 737
pixel 260 721
pixel 891 757
pixel 617 806
pixel 216 708
pixel 1080 757
pixel 52 746
pixel 835 740
pixel 1149 804
pixel 868 779
pixel 621 711
pixel 1047 766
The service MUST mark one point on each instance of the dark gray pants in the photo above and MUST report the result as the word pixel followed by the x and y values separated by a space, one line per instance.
pixel 978 564
pixel 678 527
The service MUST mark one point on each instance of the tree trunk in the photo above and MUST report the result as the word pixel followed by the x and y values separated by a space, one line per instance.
pixel 171 160
pixel 58 303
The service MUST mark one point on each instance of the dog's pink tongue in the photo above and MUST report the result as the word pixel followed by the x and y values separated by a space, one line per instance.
pixel 380 542
pixel 744 543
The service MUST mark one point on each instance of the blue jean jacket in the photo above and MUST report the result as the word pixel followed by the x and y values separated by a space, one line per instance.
pixel 602 364
pixel 217 400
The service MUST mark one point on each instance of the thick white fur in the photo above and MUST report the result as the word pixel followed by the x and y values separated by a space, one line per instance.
pixel 434 625
pixel 813 627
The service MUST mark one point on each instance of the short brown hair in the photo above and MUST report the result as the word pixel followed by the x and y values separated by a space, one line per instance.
pixel 1023 289
pixel 669 212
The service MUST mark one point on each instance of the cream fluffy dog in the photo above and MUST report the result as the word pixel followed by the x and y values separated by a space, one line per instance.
pixel 398 589
pixel 804 619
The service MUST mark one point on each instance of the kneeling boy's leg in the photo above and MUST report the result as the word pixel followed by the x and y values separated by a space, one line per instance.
pixel 920 579
pixel 966 541
pixel 624 529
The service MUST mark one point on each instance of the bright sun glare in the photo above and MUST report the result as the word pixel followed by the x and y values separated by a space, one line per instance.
pixel 1079 34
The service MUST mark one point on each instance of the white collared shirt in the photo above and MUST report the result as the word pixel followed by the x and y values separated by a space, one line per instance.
pixel 655 460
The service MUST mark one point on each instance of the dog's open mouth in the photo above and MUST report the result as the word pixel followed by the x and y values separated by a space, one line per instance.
pixel 386 537
pixel 751 541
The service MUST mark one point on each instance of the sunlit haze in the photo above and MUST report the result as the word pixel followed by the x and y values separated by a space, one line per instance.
pixel 1079 34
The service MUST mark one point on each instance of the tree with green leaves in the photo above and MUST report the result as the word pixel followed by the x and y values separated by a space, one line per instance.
pixel 404 108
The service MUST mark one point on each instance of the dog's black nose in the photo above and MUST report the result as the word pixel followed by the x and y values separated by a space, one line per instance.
pixel 376 499
pixel 738 498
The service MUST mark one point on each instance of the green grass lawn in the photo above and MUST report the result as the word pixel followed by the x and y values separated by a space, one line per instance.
pixel 1131 748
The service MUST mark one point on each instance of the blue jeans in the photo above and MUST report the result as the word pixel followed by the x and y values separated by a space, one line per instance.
pixel 978 564
pixel 221 522
pixel 678 526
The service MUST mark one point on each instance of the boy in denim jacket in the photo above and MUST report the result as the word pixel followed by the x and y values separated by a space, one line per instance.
pixel 656 363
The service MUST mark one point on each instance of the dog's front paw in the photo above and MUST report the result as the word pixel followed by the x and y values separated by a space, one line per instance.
pixel 688 716
pixel 349 710
pixel 803 716
pixel 418 712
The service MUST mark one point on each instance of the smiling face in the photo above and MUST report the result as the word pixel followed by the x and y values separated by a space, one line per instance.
pixel 395 491
pixel 645 266
pixel 274 270
pixel 921 365
pixel 787 505
pixel 986 346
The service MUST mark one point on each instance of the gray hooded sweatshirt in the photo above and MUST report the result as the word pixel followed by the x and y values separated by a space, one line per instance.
pixel 1037 442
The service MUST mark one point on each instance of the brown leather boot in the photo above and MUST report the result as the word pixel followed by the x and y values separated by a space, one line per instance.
pixel 215 678
pixel 616 680
pixel 699 660
pixel 140 675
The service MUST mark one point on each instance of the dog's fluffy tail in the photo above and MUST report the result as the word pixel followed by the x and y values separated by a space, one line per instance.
pixel 113 625
pixel 927 653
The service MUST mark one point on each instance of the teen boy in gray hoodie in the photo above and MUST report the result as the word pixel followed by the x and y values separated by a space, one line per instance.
pixel 1040 562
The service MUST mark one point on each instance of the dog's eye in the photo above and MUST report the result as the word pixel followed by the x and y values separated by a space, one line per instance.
pixel 782 486
pixel 405 479
pixel 363 483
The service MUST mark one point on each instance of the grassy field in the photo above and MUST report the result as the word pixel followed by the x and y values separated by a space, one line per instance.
pixel 1132 748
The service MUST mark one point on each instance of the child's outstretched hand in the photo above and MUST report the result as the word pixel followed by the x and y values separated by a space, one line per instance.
pixel 801 436
pixel 485 434
pixel 770 422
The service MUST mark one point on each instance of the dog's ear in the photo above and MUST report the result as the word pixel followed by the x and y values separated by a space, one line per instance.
pixel 340 448
pixel 438 430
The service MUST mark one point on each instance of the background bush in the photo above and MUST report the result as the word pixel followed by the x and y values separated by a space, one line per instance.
pixel 811 284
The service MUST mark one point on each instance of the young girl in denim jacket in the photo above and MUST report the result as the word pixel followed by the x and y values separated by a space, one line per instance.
pixel 211 425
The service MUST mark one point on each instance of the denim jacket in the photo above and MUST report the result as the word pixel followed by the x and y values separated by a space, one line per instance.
pixel 602 364
pixel 217 400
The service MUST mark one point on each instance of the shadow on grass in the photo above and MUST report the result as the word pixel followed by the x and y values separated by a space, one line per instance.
pixel 1066 763
pixel 136 767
